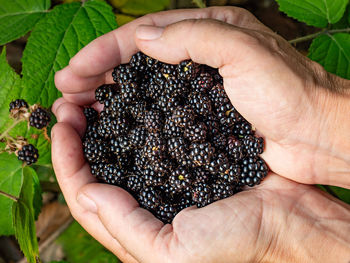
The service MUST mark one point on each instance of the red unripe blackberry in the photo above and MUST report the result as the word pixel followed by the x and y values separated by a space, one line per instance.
pixel 28 153
pixel 39 118
pixel 18 104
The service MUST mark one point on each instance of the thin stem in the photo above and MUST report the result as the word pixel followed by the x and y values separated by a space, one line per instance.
pixel 14 198
pixel 5 133
pixel 314 35
pixel 199 3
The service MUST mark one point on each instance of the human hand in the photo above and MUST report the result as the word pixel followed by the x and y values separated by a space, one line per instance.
pixel 277 221
pixel 293 102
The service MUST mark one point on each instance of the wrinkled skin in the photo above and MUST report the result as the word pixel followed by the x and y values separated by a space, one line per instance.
pixel 294 104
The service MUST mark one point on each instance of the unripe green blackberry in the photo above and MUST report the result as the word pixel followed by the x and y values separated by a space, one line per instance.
pixel 28 153
pixel 39 118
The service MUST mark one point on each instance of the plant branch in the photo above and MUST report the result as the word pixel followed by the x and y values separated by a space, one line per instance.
pixel 14 198
pixel 322 32
pixel 199 3
pixel 5 133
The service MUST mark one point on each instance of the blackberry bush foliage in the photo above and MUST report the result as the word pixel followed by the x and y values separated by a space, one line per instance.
pixel 170 136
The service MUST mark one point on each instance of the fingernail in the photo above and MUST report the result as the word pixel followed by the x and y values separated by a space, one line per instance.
pixel 87 203
pixel 149 32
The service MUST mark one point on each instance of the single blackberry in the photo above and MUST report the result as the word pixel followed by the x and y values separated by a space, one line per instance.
pixel 253 145
pixel 168 104
pixel 187 70
pixel 153 120
pixel 180 180
pixel 39 118
pixel 235 149
pixel 166 212
pixel 221 189
pixel 196 132
pixel 138 62
pixel 28 153
pixel 111 174
pixel 90 114
pixel 212 125
pixel 182 116
pixel 242 129
pixel 203 83
pixel 91 132
pixel 152 178
pixel 154 148
pixel 219 141
pixel 18 104
pixel 104 93
pixel 95 150
pixel 201 153
pixel 120 145
pixel 176 87
pixel 109 127
pixel 200 103
pixel 141 161
pixel 171 129
pixel 137 111
pixel 201 194
pixel 137 136
pixel 115 106
pixel 233 174
pixel 219 165
pixel 129 92
pixel 123 74
pixel 218 96
pixel 149 198
pixel 228 115
pixel 177 149
pixel 135 182
pixel 201 175
pixel 169 71
pixel 253 170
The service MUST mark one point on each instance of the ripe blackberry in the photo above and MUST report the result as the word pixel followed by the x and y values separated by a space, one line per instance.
pixel 39 118
pixel 120 145
pixel 201 153
pixel 153 120
pixel 200 103
pixel 155 87
pixel 111 174
pixel 228 115
pixel 253 145
pixel 242 129
pixel 233 174
pixel 201 194
pixel 166 212
pixel 253 170
pixel 124 73
pixel 212 125
pixel 203 83
pixel 129 92
pixel 171 129
pixel 235 149
pixel 104 93
pixel 176 87
pixel 95 150
pixel 109 127
pixel 137 136
pixel 218 96
pixel 28 153
pixel 219 165
pixel 187 70
pixel 18 104
pixel 90 114
pixel 182 116
pixel 177 148
pixel 135 182
pixel 219 141
pixel 168 104
pixel 138 62
pixel 155 148
pixel 196 132
pixel 152 178
pixel 115 106
pixel 169 71
pixel 221 189
pixel 201 175
pixel 137 111
pixel 149 198
pixel 180 180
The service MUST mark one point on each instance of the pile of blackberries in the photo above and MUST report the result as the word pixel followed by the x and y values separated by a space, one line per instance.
pixel 170 136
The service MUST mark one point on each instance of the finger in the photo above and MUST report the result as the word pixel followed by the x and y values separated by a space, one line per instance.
pixel 70 113
pixel 72 174
pixel 109 50
pixel 137 230
pixel 82 99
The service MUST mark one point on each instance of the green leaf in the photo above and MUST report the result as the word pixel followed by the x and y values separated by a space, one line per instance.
pixel 37 196
pixel 141 7
pixel 9 89
pixel 19 17
pixel 55 39
pixel 6 224
pixel 317 13
pixel 342 193
pixel 80 247
pixel 23 218
pixel 333 53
